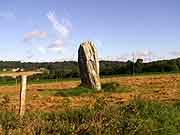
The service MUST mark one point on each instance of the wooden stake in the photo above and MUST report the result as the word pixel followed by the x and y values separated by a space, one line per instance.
pixel 22 95
pixel 16 83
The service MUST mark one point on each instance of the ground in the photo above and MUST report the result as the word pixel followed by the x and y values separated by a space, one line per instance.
pixel 43 97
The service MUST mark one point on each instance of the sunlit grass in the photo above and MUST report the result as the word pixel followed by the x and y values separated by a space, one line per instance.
pixel 138 117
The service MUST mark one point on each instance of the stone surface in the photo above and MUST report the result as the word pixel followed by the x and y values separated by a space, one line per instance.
pixel 89 65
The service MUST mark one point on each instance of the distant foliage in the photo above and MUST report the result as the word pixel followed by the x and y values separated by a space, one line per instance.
pixel 70 69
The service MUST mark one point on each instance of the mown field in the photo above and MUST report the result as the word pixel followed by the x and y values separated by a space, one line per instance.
pixel 148 104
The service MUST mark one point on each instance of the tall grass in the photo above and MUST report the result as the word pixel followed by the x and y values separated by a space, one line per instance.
pixel 135 118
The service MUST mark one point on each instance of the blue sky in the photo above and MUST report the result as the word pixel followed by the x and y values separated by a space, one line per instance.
pixel 51 30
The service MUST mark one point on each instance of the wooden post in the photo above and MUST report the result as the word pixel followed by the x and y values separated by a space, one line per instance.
pixel 22 95
pixel 16 83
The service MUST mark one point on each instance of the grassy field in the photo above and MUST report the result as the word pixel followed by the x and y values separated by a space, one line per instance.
pixel 135 118
pixel 41 81
pixel 80 91
pixel 145 104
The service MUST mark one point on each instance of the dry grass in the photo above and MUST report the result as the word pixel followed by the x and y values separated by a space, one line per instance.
pixel 163 88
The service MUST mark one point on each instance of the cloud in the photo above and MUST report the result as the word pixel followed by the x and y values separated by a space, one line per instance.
pixel 57 45
pixel 123 57
pixel 144 54
pixel 8 15
pixel 63 29
pixel 35 34
pixel 175 53
pixel 43 50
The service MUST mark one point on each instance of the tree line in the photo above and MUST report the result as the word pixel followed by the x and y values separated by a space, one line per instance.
pixel 70 69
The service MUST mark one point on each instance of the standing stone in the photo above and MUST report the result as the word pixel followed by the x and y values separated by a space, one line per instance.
pixel 89 66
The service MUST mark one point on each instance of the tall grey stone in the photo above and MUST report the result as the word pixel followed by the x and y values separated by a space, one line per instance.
pixel 89 65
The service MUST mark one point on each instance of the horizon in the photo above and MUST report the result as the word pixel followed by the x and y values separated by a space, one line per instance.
pixel 43 30
pixel 99 61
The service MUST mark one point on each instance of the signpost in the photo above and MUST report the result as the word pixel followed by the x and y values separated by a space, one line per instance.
pixel 23 87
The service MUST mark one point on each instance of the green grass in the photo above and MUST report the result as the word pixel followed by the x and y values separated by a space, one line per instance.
pixel 52 80
pixel 75 92
pixel 115 87
pixel 80 91
pixel 135 118
pixel 141 74
pixel 7 83
pixel 41 81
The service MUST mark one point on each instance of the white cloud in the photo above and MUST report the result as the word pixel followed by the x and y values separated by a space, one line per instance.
pixel 42 50
pixel 35 34
pixel 146 55
pixel 124 57
pixel 63 30
pixel 175 53
pixel 57 45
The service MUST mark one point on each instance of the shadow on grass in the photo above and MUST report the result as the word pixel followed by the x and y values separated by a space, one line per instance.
pixel 78 91
pixel 111 87
pixel 115 87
